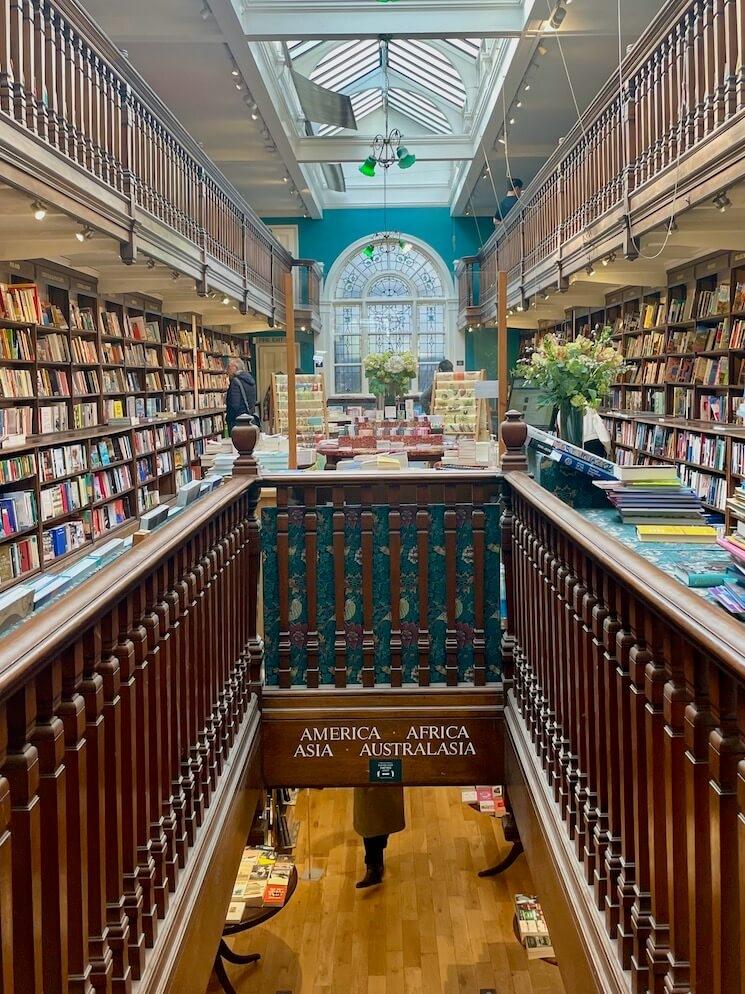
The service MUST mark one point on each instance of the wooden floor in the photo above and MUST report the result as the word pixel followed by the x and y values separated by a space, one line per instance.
pixel 432 926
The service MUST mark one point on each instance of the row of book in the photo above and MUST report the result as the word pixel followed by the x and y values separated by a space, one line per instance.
pixel 16 344
pixel 65 497
pixel 110 482
pixel 53 382
pixel 18 511
pixel 16 383
pixel 64 538
pixel 646 346
pixel 147 499
pixel 699 371
pixel 110 516
pixel 19 558
pixel 52 348
pixel 14 468
pixel 20 302
pixel 653 315
pixel 711 489
pixel 84 351
pixel 699 339
pixel 738 458
pixel 706 450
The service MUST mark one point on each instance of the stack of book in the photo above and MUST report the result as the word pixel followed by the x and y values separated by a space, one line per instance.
pixel 655 500
pixel 731 593
pixel 263 881
pixel 488 800
pixel 532 928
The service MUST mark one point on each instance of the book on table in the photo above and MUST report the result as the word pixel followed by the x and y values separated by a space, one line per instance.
pixel 689 534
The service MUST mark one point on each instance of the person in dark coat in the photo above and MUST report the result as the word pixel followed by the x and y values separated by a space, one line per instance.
pixel 509 200
pixel 241 395
pixel 445 366
pixel 378 813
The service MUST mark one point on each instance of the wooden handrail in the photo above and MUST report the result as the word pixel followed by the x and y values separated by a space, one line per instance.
pixel 23 651
pixel 708 626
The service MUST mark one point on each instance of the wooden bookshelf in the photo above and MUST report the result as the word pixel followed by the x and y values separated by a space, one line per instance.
pixel 72 359
pixel 87 484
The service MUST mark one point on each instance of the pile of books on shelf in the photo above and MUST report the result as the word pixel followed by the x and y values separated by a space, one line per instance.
pixel 263 881
pixel 655 499
pixel 532 928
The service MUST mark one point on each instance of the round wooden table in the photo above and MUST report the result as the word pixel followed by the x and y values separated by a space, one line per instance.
pixel 252 918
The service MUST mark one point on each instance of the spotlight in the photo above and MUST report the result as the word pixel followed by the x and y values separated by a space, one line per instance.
pixel 368 166
pixel 254 114
pixel 235 71
pixel 84 234
pixel 519 308
pixel 545 295
pixel 512 120
pixel 722 202
pixel 542 50
pixel 501 141
pixel 205 13
pixel 519 103
pixel 405 159
pixel 40 211
pixel 239 86
pixel 302 327
pixel 526 87
pixel 226 300
pixel 557 17
pixel 590 269
pixel 285 179
pixel 151 263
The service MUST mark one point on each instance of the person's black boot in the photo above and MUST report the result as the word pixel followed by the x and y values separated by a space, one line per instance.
pixel 373 875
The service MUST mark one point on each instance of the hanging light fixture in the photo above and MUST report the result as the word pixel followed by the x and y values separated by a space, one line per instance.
pixel 387 149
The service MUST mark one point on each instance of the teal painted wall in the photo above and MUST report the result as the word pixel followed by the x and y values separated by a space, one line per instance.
pixel 451 237
pixel 481 350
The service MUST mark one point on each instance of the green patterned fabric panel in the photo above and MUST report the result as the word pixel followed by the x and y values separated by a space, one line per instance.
pixel 466 584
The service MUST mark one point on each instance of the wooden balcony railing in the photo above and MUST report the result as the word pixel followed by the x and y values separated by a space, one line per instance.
pixel 628 693
pixel 64 83
pixel 382 580
pixel 680 92
pixel 121 709
pixel 307 288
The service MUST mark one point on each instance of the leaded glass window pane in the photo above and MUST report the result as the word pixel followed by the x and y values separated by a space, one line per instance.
pixel 389 327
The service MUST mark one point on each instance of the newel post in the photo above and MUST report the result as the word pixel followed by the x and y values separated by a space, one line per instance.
pixel 514 433
pixel 245 435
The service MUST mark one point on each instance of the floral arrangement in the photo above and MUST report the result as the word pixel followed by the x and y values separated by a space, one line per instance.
pixel 576 374
pixel 389 374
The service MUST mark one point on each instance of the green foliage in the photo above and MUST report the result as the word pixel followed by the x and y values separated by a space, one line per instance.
pixel 578 373
pixel 389 374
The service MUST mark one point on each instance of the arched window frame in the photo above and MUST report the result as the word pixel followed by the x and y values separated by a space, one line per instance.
pixel 353 334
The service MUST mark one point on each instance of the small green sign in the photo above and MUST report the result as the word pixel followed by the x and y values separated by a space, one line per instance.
pixel 385 771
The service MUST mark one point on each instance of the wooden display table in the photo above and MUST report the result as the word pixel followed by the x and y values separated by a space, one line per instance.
pixel 421 453
pixel 252 918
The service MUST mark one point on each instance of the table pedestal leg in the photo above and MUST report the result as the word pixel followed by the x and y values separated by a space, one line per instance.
pixel 225 952
pixel 512 835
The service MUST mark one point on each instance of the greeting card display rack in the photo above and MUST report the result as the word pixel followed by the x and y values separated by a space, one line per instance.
pixel 310 405
pixel 454 398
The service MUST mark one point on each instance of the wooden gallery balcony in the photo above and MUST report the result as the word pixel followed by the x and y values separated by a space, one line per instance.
pixel 81 131
pixel 141 715
pixel 664 136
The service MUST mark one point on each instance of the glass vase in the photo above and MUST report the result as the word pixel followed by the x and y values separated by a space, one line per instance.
pixel 571 422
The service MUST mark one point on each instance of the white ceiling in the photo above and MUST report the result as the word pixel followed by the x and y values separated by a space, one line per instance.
pixel 188 59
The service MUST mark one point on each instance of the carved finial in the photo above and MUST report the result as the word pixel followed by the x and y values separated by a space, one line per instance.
pixel 514 433
pixel 245 435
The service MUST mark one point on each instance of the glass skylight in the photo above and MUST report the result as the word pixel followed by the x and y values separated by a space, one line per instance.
pixel 423 64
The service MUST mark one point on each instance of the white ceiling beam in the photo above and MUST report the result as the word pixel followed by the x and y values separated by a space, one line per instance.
pixel 269 20
pixel 351 148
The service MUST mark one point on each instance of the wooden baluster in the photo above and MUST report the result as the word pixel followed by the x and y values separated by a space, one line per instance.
pixel 73 717
pixel 118 928
pixel 394 545
pixel 51 57
pixel 339 542
pixel 676 699
pixel 549 620
pixel 424 640
pixel 63 109
pixel 48 739
pixel 6 58
pixel 158 848
pixel 6 867
pixel 39 46
pixel 29 65
pixel 211 656
pixel 178 797
pixel 283 559
pixel 194 759
pixel 589 723
pixel 710 80
pixel 719 71
pixel 451 637
pixel 139 878
pixel 310 523
pixel 187 736
pixel 640 658
pixel 689 72
pixel 478 521
pixel 674 92
pixel 729 57
pixel 255 650
pixel 620 859
pixel 658 126
pixel 656 678
pixel 17 65
pixel 603 643
pixel 366 543
pixel 93 695
pixel 22 774
pixel 725 752
pixel 125 652
pixel 510 563
pixel 571 727
pixel 699 62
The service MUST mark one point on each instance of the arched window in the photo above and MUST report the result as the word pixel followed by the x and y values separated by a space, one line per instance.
pixel 392 299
